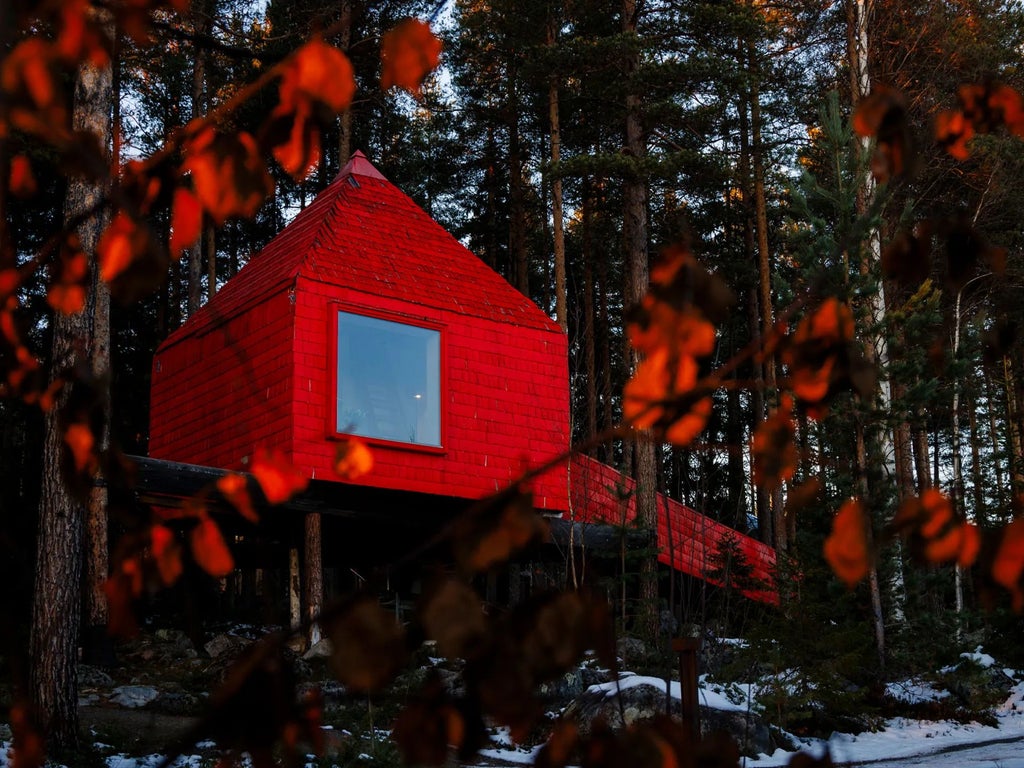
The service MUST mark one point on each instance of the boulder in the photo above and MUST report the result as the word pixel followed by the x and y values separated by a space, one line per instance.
pixel 630 650
pixel 321 650
pixel 134 696
pixel 226 645
pixel 642 701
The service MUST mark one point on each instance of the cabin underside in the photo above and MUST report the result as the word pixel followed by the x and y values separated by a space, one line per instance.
pixel 394 540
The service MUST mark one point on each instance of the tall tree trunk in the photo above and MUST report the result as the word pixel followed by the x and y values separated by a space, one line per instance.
pixel 877 351
pixel 1013 432
pixel 764 271
pixel 921 454
pixel 904 452
pixel 589 352
pixel 200 26
pixel 634 234
pixel 517 191
pixel 765 521
pixel 313 575
pixel 977 479
pixel 604 361
pixel 56 608
pixel 558 232
pixel 994 436
pixel 345 120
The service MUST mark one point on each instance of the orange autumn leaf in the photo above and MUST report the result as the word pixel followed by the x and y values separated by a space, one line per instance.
pixel 846 548
pixel 774 450
pixel 121 588
pixel 684 430
pixel 209 549
pixel 508 526
pixel 813 352
pixel 28 747
pixel 79 439
pixel 22 181
pixel 352 459
pixel 408 53
pixel 120 243
pixel 67 288
pixel 80 38
pixel 10 279
pixel 277 476
pixel 300 153
pixel 653 383
pixel 228 173
pixel 186 221
pixel 1008 564
pixel 29 77
pixel 318 73
pixel 166 553
pixel 235 488
pixel 952 132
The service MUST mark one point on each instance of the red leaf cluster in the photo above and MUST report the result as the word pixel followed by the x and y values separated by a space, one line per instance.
pixel 229 175
pixel 368 644
pixel 352 459
pixel 68 282
pixel 507 657
pixel 278 478
pixel 408 53
pixel 822 357
pixel 28 745
pixel 317 84
pixel 671 327
pixel 883 114
pixel 982 108
pixel 846 548
pixel 496 529
pixel 933 531
pixel 773 448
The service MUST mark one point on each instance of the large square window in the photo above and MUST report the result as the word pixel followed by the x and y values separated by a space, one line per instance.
pixel 389 380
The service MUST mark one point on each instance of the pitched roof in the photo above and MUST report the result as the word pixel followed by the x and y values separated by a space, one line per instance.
pixel 364 234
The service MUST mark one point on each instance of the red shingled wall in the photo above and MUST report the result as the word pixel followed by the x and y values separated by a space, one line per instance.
pixel 218 396
pixel 506 404
pixel 601 494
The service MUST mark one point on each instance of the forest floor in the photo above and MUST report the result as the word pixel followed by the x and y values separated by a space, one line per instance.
pixel 155 693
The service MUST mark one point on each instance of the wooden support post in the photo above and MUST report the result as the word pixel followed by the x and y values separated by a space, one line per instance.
pixel 294 590
pixel 688 649
pixel 313 576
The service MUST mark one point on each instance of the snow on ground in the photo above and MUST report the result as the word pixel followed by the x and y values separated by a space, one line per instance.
pixel 937 743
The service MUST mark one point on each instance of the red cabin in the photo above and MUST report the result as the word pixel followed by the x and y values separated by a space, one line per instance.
pixel 365 317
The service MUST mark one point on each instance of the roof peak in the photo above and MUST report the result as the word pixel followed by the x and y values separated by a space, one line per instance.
pixel 358 165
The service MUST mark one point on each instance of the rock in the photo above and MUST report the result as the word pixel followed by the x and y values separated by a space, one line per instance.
pixel 452 681
pixel 630 649
pixel 226 645
pixel 88 700
pixel 563 688
pixel 594 676
pixel 747 729
pixel 93 677
pixel 175 644
pixel 134 696
pixel 643 701
pixel 321 650
pixel 5 732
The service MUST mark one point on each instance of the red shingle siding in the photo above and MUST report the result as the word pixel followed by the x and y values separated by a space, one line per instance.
pixel 601 495
pixel 219 395
pixel 506 401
